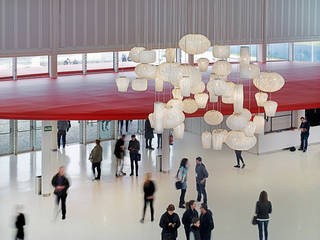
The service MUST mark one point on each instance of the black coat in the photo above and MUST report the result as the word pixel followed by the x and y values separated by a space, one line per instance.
pixel 118 151
pixel 206 225
pixel 263 210
pixel 20 222
pixel 65 183
pixel 169 233
pixel 195 233
pixel 148 130
pixel 149 189
pixel 188 216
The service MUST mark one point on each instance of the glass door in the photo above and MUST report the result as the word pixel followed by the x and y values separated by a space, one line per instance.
pixel 24 136
pixel 106 129
pixel 91 130
pixel 5 137
pixel 73 135
pixel 37 135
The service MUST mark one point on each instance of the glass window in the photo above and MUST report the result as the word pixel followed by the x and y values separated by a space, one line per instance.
pixel 103 60
pixel 207 54
pixel 37 134
pixel 73 135
pixel 303 51
pixel 69 62
pixel 184 57
pixel 5 67
pixel 235 53
pixel 106 129
pixel 125 61
pixel 32 65
pixel 278 51
pixel 92 130
pixel 316 51
pixel 24 136
pixel 5 137
pixel 161 56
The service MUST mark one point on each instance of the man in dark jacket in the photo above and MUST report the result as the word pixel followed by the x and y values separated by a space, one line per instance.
pixel 202 175
pixel 188 215
pixel 63 127
pixel 148 134
pixel 134 148
pixel 119 153
pixel 169 222
pixel 206 222
pixel 304 127
pixel 61 185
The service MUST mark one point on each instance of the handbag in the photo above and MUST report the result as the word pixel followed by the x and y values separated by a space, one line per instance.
pixel 178 185
pixel 254 220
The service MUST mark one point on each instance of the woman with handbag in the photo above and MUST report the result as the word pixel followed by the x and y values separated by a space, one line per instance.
pixel 182 180
pixel 263 209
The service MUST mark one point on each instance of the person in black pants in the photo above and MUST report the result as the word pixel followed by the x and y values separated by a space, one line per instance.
pixel 63 128
pixel 134 147
pixel 149 190
pixel 304 127
pixel 201 178
pixel 169 222
pixel 148 134
pixel 263 209
pixel 20 223
pixel 239 158
pixel 206 222
pixel 96 159
pixel 188 215
pixel 61 185
pixel 181 176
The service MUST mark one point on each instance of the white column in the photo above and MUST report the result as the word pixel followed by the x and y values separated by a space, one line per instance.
pixel 261 53
pixel 53 66
pixel 49 163
pixel 165 151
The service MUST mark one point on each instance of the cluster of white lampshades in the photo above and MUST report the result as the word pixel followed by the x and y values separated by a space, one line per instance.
pixel 187 80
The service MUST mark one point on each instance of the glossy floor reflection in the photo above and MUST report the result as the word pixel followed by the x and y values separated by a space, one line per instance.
pixel 111 209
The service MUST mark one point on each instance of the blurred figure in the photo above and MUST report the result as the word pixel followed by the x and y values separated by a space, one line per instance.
pixel 202 175
pixel 134 148
pixel 119 151
pixel 20 223
pixel 63 128
pixel 195 229
pixel 149 190
pixel 239 158
pixel 159 137
pixel 182 177
pixel 206 222
pixel 96 159
pixel 169 223
pixel 120 126
pixel 188 215
pixel 304 128
pixel 61 185
pixel 148 134
pixel 263 209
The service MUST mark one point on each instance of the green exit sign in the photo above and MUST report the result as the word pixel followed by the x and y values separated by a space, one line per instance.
pixel 48 128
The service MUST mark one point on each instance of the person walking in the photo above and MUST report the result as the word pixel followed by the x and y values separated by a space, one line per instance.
pixel 61 186
pixel 206 222
pixel 148 134
pixel 119 151
pixel 169 222
pixel 202 175
pixel 182 177
pixel 134 148
pixel 63 128
pixel 304 128
pixel 188 215
pixel 263 209
pixel 195 229
pixel 20 223
pixel 239 158
pixel 149 190
pixel 159 138
pixel 96 159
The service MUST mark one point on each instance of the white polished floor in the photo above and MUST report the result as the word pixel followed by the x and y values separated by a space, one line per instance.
pixel 111 208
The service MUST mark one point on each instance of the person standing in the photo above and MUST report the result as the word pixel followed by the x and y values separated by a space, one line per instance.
pixel 119 153
pixel 20 223
pixel 149 190
pixel 202 175
pixel 206 222
pixel 188 215
pixel 182 177
pixel 239 158
pixel 263 209
pixel 304 128
pixel 63 128
pixel 169 222
pixel 61 185
pixel 159 138
pixel 134 148
pixel 195 229
pixel 96 159
pixel 148 134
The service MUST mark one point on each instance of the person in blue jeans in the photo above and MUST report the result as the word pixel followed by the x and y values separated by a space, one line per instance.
pixel 182 176
pixel 201 178
pixel 263 209
pixel 304 128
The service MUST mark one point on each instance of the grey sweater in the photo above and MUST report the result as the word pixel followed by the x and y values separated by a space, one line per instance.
pixel 201 172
